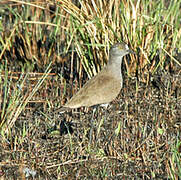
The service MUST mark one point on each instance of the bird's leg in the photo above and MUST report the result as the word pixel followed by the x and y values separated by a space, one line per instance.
pixel 103 118
pixel 92 124
pixel 100 123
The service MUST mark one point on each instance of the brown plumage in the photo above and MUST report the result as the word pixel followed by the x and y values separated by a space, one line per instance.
pixel 106 85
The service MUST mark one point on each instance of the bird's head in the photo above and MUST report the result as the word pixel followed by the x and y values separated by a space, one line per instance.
pixel 120 49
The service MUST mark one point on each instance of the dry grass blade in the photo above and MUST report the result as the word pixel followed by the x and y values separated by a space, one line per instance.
pixel 19 102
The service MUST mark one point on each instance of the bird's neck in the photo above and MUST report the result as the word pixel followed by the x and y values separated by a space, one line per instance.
pixel 114 65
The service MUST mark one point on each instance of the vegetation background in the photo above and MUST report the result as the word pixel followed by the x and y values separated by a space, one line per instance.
pixel 49 49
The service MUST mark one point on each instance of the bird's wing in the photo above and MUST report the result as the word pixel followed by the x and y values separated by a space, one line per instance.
pixel 95 91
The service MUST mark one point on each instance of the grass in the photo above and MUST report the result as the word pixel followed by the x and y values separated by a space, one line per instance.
pixel 48 51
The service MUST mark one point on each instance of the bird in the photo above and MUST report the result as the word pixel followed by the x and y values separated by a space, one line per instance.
pixel 106 85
